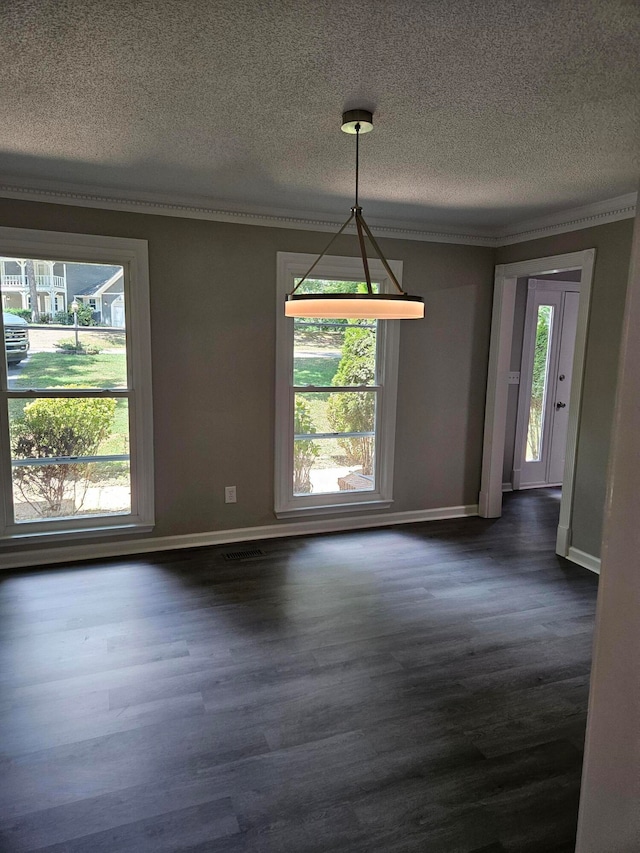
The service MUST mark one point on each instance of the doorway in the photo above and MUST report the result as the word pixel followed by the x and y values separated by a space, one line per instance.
pixel 500 374
pixel 546 368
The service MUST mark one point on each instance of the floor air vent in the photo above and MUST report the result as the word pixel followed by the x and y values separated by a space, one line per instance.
pixel 245 554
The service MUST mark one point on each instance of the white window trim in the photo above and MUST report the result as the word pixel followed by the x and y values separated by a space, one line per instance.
pixel 290 266
pixel 133 256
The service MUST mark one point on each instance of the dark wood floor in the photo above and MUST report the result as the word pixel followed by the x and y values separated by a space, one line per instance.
pixel 420 688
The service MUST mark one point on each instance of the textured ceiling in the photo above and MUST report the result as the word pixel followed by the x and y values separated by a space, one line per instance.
pixel 486 113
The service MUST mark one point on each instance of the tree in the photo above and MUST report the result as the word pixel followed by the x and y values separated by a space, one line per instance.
pixel 305 451
pixel 30 271
pixel 53 428
pixel 328 286
pixel 355 411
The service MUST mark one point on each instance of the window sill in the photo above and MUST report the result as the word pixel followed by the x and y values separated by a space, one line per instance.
pixel 77 534
pixel 332 509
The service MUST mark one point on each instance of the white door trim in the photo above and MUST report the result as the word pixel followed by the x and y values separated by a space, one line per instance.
pixel 526 365
pixel 506 277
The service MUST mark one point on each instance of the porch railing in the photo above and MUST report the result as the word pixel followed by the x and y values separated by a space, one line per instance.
pixel 43 282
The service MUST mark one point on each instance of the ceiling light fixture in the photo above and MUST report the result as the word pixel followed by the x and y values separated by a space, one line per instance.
pixel 369 305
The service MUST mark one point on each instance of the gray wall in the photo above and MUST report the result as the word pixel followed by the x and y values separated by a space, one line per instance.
pixel 213 352
pixel 213 304
pixel 613 249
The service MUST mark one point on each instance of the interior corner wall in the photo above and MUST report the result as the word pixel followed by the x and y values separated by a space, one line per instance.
pixel 609 817
pixel 213 304
pixel 612 243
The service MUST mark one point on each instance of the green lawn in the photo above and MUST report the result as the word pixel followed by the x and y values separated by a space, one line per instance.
pixel 58 370
pixel 314 371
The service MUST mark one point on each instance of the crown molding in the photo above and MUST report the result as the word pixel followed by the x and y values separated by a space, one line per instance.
pixel 574 219
pixel 190 208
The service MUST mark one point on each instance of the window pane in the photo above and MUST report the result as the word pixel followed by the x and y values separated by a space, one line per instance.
pixel 326 465
pixel 47 491
pixel 539 383
pixel 44 348
pixel 54 443
pixel 334 352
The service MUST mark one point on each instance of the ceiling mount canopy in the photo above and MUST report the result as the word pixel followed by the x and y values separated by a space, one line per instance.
pixel 369 305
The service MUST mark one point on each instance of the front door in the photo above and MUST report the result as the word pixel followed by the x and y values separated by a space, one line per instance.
pixel 545 383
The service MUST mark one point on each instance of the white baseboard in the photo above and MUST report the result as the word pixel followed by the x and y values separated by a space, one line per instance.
pixel 98 550
pixel 587 561
pixel 563 540
pixel 507 487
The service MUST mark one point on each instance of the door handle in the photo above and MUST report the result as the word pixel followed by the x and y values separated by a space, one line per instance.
pixel 560 405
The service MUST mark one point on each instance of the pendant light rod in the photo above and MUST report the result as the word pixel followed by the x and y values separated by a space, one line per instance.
pixel 324 252
pixel 357 159
pixel 357 211
pixel 363 250
pixel 378 252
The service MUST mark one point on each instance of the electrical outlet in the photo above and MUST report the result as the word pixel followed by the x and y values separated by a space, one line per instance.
pixel 230 494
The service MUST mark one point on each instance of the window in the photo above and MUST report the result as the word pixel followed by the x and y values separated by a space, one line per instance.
pixel 75 408
pixel 335 396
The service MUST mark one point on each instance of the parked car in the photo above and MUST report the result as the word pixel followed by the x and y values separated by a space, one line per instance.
pixel 16 337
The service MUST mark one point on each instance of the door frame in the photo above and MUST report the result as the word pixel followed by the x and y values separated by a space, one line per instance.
pixel 506 278
pixel 526 367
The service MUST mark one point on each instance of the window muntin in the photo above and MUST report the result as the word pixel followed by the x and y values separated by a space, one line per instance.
pixel 77 422
pixel 336 403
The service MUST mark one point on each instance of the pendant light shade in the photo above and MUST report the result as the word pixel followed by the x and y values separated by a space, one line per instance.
pixel 360 306
pixel 365 306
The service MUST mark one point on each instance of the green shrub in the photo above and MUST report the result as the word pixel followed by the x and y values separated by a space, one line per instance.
pixel 25 313
pixel 305 451
pixel 349 412
pixel 45 318
pixel 68 345
pixel 85 316
pixel 50 428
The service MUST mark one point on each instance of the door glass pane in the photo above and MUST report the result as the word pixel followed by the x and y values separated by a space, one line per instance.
pixel 69 457
pixel 53 346
pixel 334 352
pixel 539 383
